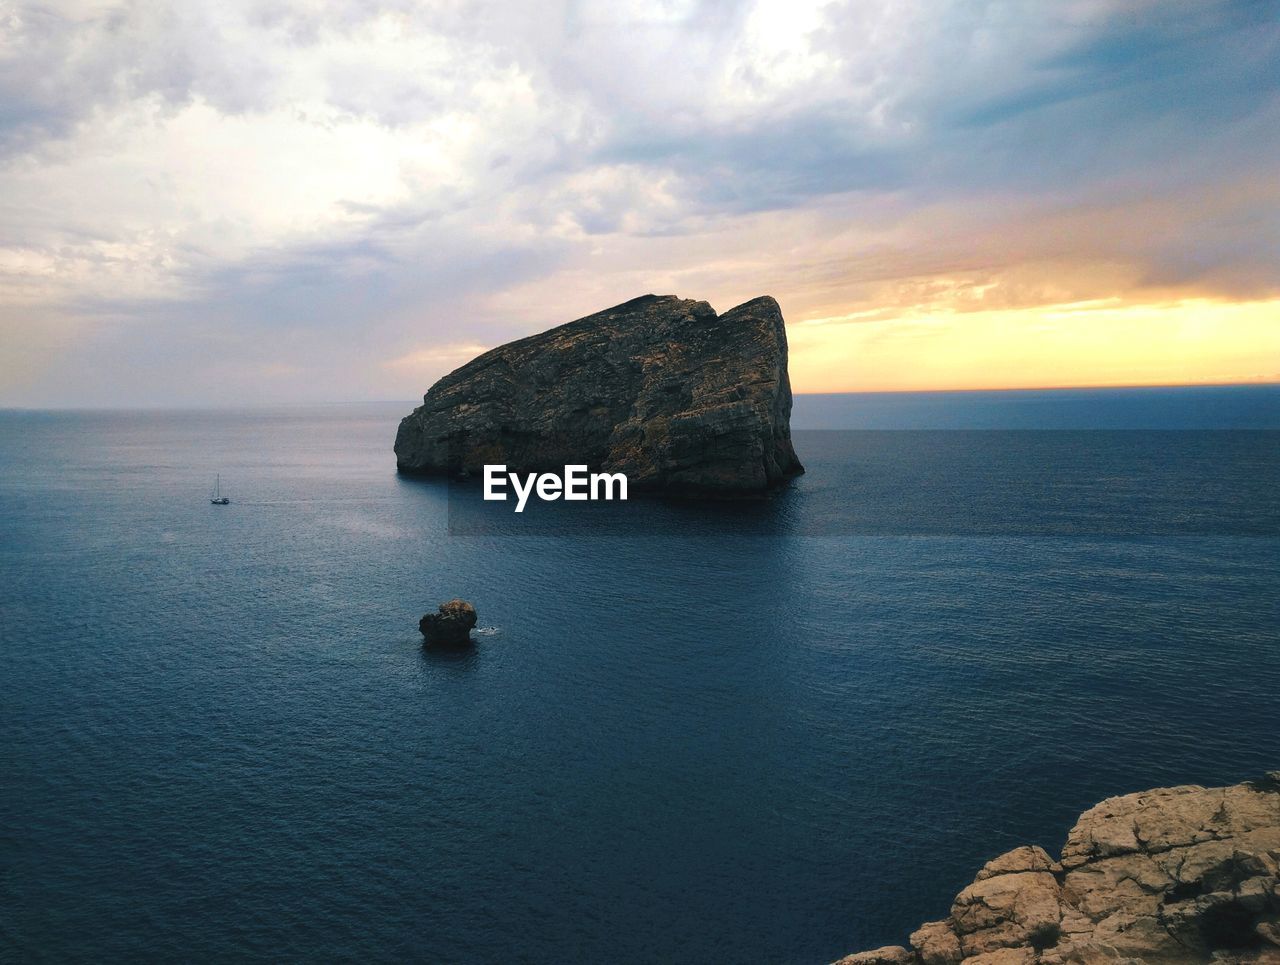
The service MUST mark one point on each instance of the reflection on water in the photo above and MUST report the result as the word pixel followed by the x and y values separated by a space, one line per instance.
pixel 1119 484
pixel 454 658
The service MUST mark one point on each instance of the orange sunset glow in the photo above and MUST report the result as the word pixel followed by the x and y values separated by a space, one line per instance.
pixel 1074 344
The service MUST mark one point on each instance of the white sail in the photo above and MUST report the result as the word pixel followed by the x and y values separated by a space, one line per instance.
pixel 216 497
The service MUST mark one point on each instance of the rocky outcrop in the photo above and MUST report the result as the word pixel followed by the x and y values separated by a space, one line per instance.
pixel 1178 874
pixel 451 626
pixel 660 388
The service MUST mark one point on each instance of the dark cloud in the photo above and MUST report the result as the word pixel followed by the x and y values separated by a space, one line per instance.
pixel 509 143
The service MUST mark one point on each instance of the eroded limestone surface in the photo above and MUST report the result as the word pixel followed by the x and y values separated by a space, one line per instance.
pixel 1172 875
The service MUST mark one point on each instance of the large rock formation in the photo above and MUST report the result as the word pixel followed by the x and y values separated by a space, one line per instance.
pixel 660 388
pixel 1178 874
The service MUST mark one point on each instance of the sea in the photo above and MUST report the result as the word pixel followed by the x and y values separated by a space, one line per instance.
pixel 770 730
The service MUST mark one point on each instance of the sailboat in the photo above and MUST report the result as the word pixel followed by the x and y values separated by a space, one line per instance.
pixel 216 496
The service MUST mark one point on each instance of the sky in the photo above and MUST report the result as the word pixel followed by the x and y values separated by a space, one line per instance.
pixel 261 201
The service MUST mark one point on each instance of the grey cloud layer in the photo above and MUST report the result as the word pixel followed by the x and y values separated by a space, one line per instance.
pixel 394 175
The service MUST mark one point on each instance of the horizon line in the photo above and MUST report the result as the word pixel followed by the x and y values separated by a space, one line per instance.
pixel 208 406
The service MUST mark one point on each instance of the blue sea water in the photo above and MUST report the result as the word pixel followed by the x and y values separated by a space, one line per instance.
pixel 763 731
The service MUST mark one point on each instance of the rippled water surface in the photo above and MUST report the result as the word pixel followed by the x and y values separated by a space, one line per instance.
pixel 771 731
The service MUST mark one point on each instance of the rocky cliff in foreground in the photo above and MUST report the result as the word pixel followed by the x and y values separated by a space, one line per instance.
pixel 660 388
pixel 1178 874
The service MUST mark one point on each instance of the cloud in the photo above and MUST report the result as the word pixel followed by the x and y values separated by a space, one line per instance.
pixel 330 184
pixel 423 366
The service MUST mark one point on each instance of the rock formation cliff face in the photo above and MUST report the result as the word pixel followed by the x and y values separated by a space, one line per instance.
pixel 1178 874
pixel 663 389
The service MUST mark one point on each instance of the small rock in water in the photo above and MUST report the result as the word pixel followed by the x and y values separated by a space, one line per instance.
pixel 451 626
